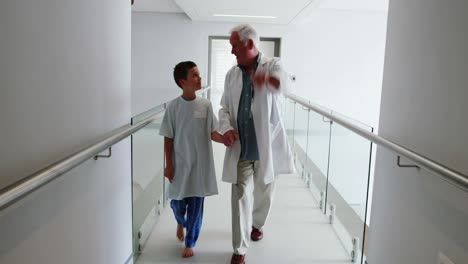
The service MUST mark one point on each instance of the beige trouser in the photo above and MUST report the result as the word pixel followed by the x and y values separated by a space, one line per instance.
pixel 241 202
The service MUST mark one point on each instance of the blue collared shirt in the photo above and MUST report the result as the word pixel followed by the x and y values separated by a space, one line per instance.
pixel 245 123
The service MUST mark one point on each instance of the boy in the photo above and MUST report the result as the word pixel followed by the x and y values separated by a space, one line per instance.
pixel 188 128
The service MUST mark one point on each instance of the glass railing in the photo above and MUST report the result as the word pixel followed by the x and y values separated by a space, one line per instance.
pixel 147 177
pixel 147 180
pixel 334 158
pixel 335 164
pixel 348 183
pixel 289 111
pixel 300 140
pixel 317 156
pixel 147 161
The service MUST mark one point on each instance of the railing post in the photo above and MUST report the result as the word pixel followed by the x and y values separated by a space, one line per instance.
pixel 322 199
pixel 355 251
pixel 332 215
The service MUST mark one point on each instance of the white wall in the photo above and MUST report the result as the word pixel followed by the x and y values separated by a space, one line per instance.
pixel 415 214
pixel 160 41
pixel 337 57
pixel 65 80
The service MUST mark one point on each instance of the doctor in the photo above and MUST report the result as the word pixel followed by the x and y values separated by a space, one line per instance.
pixel 258 151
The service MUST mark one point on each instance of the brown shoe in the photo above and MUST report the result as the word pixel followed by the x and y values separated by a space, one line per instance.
pixel 256 234
pixel 238 259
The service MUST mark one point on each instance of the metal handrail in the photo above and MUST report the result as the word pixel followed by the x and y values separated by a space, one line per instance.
pixel 204 89
pixel 454 177
pixel 23 187
pixel 17 190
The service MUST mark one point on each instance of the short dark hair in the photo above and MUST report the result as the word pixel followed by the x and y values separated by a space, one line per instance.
pixel 181 71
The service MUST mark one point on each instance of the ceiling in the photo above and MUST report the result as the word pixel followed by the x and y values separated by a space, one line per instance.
pixel 358 5
pixel 255 11
pixel 166 6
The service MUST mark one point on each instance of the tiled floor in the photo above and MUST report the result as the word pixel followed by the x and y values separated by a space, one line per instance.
pixel 297 232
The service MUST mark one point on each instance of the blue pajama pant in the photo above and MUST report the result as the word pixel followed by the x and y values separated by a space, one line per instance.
pixel 189 213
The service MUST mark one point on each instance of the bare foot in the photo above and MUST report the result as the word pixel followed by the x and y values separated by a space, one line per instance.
pixel 180 233
pixel 188 252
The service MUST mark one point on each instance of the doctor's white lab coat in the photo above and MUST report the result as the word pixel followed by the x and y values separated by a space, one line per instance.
pixel 273 147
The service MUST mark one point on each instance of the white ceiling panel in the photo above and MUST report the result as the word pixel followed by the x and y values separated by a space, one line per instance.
pixel 355 5
pixel 251 11
pixel 255 11
pixel 168 6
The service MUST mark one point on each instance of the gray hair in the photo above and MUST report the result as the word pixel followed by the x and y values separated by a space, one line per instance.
pixel 247 32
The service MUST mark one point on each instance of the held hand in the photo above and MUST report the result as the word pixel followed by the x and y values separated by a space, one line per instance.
pixel 227 140
pixel 230 137
pixel 169 173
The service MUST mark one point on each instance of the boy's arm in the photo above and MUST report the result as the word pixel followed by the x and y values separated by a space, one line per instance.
pixel 168 150
pixel 216 136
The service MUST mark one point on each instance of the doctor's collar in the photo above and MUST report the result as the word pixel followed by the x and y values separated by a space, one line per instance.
pixel 259 58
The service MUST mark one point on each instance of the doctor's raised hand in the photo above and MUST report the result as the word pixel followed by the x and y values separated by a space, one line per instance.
pixel 261 79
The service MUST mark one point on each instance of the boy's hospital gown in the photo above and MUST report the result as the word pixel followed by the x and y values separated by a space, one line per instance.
pixel 190 124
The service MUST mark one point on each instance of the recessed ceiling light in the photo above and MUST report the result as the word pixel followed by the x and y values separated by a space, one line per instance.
pixel 247 16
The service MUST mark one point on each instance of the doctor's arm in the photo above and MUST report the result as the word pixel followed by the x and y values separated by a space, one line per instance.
pixel 273 76
pixel 262 79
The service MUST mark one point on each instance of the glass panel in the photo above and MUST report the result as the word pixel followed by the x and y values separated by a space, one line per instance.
pixel 289 118
pixel 142 116
pixel 317 153
pixel 348 182
pixel 309 139
pixel 301 122
pixel 148 179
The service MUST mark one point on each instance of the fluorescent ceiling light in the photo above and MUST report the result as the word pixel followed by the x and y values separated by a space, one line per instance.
pixel 248 16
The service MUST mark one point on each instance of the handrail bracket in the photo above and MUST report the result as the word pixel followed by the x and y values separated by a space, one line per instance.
pixel 406 165
pixel 104 156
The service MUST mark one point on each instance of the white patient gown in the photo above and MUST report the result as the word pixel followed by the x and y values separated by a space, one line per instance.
pixel 189 124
